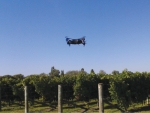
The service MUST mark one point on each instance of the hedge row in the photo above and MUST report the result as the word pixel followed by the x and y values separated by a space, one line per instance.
pixel 125 88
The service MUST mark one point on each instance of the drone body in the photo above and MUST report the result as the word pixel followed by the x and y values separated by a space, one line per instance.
pixel 75 41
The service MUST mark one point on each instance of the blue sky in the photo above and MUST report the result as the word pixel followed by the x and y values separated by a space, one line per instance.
pixel 32 35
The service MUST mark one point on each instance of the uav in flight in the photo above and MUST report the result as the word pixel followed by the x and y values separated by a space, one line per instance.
pixel 75 41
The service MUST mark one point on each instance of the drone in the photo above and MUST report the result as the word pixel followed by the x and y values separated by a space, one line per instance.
pixel 75 41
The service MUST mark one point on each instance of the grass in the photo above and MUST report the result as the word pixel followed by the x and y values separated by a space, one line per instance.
pixel 73 107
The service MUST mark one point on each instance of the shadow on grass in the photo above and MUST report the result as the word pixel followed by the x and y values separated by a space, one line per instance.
pixel 72 105
pixel 112 106
pixel 141 109
pixel 44 106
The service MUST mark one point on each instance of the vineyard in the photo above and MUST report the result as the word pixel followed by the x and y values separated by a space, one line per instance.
pixel 125 89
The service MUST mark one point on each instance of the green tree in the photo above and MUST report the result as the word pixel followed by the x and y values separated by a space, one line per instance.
pixel 7 82
pixel 102 72
pixel 92 71
pixel 68 82
pixel 62 73
pixel 46 87
pixel 54 72
pixel 81 87
pixel 29 81
pixel 18 76
pixel 71 73
pixel 18 89
pixel 115 72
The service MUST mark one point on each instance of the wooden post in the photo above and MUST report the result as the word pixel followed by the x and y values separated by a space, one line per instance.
pixel 60 99
pixel 100 98
pixel 147 100
pixel 26 99
pixel 0 100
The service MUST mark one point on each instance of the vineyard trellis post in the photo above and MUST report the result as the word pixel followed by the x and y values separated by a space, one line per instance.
pixel 0 99
pixel 100 98
pixel 26 99
pixel 60 99
pixel 147 100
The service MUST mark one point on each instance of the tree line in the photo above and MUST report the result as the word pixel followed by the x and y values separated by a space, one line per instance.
pixel 125 88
